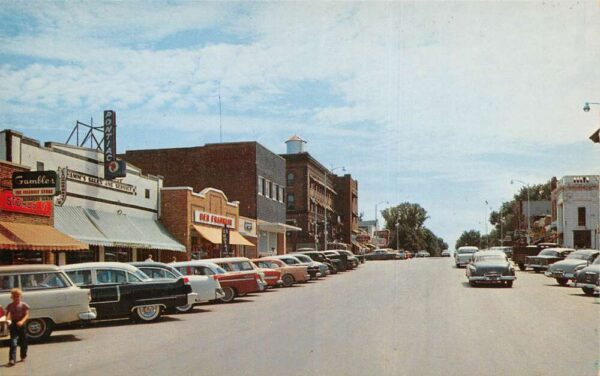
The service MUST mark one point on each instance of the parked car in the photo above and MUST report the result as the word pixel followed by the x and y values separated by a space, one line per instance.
pixel 445 253
pixel 205 287
pixel 564 271
pixel 380 254
pixel 122 290
pixel 490 267
pixel 335 255
pixel 290 274
pixel 587 277
pixel 243 266
pixel 546 257
pixel 333 265
pixel 323 269
pixel 272 276
pixel 233 283
pixel 313 270
pixel 507 250
pixel 52 297
pixel 463 255
pixel 422 254
pixel 520 253
pixel 353 261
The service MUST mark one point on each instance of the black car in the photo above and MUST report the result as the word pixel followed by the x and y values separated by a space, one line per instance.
pixel 353 261
pixel 122 290
pixel 333 265
pixel 335 255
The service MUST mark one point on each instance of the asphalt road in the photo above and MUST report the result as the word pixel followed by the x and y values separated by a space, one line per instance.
pixel 416 317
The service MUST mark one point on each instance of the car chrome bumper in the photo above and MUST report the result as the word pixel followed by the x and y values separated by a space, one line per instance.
pixel 588 285
pixel 536 266
pixel 89 315
pixel 192 297
pixel 559 275
pixel 219 293
pixel 500 278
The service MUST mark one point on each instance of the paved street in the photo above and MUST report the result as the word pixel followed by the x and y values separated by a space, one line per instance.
pixel 416 317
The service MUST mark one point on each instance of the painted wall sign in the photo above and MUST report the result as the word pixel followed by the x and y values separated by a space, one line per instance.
pixel 113 167
pixel 12 203
pixel 213 219
pixel 94 180
pixel 35 183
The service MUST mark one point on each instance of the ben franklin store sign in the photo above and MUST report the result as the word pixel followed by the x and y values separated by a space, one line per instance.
pixel 213 219
pixel 35 183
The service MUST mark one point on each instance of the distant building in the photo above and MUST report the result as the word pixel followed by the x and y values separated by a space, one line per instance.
pixel 576 210
pixel 317 197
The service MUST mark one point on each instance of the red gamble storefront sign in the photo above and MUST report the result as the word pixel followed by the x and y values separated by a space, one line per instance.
pixel 15 204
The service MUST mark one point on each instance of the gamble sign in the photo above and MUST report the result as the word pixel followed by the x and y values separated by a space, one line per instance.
pixel 35 183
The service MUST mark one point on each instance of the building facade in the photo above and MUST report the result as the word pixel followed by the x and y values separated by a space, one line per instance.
pixel 198 221
pixel 246 172
pixel 318 201
pixel 576 211
pixel 118 219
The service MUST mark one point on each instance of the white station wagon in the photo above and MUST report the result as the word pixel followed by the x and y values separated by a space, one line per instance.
pixel 52 298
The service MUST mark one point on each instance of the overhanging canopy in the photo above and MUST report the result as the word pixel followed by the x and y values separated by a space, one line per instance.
pixel 238 239
pixel 211 234
pixel 114 230
pixel 276 227
pixel 26 236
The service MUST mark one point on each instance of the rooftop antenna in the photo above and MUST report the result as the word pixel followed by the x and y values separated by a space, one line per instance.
pixel 90 134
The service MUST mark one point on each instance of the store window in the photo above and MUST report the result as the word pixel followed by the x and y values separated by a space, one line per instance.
pixel 270 190
pixel 147 193
pixel 290 179
pixel 81 256
pixel 281 194
pixel 276 198
pixel 291 204
pixel 261 185
pixel 39 166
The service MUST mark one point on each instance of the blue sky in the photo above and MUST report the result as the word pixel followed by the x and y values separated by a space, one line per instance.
pixel 436 103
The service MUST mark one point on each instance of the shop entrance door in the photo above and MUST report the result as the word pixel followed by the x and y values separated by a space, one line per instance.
pixel 582 239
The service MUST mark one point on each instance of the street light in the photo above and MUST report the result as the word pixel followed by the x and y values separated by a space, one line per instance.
pixel 528 205
pixel 397 237
pixel 327 203
pixel 586 106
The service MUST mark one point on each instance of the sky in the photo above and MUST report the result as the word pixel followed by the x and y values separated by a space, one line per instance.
pixel 441 104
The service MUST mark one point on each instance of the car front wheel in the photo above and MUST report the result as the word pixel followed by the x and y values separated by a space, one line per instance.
pixel 522 266
pixel 562 281
pixel 147 313
pixel 288 280
pixel 185 308
pixel 39 328
pixel 588 290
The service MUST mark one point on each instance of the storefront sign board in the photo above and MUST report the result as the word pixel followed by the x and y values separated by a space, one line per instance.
pixel 15 204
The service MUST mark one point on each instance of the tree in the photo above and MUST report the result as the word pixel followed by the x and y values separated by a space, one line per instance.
pixel 412 233
pixel 471 237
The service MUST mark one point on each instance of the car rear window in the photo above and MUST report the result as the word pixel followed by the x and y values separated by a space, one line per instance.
pixel 111 276
pixel 37 281
pixel 8 282
pixel 80 277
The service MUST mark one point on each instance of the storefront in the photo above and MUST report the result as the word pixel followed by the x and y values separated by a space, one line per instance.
pixel 27 235
pixel 206 223
pixel 116 219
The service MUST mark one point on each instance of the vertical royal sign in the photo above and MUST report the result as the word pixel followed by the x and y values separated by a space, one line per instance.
pixel 113 168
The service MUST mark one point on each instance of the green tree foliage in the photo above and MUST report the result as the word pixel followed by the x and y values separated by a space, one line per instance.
pixel 471 237
pixel 411 229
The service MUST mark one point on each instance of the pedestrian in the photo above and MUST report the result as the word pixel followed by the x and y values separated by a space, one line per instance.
pixel 149 258
pixel 273 250
pixel 17 313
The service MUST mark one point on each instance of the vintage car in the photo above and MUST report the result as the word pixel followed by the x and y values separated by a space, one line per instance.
pixel 205 287
pixel 243 266
pixel 52 297
pixel 313 270
pixel 272 276
pixel 490 267
pixel 380 254
pixel 546 257
pixel 323 269
pixel 333 265
pixel 445 253
pixel 521 252
pixel 122 290
pixel 564 271
pixel 290 274
pixel 335 255
pixel 352 259
pixel 587 278
pixel 234 284
pixel 422 254
pixel 463 255
pixel 507 250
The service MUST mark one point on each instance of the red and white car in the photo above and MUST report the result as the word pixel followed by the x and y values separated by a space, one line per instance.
pixel 233 283
pixel 272 276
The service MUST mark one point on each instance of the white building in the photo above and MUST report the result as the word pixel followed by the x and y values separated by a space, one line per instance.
pixel 117 218
pixel 577 211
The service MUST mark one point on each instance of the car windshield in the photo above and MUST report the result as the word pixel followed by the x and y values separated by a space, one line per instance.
pixel 548 252
pixel 578 256
pixel 467 250
pixel 141 275
pixel 290 261
pixel 303 258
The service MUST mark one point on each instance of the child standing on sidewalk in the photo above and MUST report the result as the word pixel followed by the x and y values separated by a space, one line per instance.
pixel 18 313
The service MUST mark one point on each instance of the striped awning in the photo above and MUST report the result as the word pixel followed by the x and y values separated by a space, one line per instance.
pixel 26 236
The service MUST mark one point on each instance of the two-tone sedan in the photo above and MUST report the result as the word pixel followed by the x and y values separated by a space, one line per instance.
pixel 564 271
pixel 463 255
pixel 490 267
pixel 546 257
pixel 587 278
pixel 313 270
pixel 290 274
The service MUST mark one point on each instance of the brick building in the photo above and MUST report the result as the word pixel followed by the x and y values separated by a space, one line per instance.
pixel 314 192
pixel 197 221
pixel 27 234
pixel 246 172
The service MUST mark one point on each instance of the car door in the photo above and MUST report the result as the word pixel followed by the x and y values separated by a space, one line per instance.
pixel 109 291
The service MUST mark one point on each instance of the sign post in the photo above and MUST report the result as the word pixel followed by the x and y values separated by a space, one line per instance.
pixel 225 241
